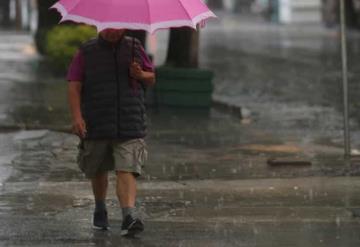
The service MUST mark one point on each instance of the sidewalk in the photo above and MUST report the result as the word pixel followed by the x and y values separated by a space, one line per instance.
pixel 207 182
pixel 268 212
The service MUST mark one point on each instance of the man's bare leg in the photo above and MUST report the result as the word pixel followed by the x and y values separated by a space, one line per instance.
pixel 126 192
pixel 126 189
pixel 99 187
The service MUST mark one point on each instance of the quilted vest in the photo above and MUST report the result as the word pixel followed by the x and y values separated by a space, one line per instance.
pixel 110 106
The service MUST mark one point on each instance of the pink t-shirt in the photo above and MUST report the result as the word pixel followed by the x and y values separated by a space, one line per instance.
pixel 76 68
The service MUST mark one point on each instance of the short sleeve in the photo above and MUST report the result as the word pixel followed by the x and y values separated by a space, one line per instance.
pixel 76 68
pixel 146 61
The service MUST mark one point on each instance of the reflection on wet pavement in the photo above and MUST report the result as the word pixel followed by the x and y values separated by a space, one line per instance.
pixel 287 212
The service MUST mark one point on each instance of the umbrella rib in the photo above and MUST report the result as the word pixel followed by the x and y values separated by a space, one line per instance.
pixel 74 6
pixel 182 4
pixel 149 12
pixel 63 7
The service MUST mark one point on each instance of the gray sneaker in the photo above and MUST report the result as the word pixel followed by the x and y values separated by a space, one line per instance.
pixel 130 226
pixel 100 220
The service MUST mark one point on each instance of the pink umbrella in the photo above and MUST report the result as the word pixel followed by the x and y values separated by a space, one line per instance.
pixel 148 15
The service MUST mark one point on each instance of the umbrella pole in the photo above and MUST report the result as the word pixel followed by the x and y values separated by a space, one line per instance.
pixel 344 59
pixel 133 48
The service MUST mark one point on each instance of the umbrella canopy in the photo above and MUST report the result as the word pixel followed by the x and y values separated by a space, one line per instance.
pixel 148 15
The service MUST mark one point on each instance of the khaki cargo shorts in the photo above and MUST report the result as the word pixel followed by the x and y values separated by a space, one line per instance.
pixel 99 156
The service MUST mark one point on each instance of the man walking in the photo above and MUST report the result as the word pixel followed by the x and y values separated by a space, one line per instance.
pixel 107 78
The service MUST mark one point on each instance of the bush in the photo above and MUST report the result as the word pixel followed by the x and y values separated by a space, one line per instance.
pixel 64 41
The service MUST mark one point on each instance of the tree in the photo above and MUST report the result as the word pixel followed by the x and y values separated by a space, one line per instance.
pixel 215 4
pixel 331 12
pixel 139 34
pixel 351 15
pixel 183 48
pixel 18 18
pixel 5 13
pixel 47 19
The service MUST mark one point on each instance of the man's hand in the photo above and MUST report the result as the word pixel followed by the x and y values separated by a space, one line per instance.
pixel 74 95
pixel 136 71
pixel 79 127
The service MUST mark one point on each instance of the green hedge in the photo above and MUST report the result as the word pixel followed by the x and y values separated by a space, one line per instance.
pixel 64 41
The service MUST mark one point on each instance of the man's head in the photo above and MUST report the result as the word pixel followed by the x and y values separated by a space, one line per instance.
pixel 112 35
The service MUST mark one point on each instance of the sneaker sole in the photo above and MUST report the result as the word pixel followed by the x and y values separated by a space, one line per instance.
pixel 134 229
pixel 100 228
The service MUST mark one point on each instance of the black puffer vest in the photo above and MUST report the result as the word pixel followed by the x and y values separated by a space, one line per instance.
pixel 110 107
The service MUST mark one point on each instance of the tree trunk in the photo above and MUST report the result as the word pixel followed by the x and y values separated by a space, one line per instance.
pixel 47 19
pixel 140 35
pixel 18 15
pixel 216 4
pixel 5 13
pixel 243 6
pixel 183 48
pixel 331 13
pixel 351 16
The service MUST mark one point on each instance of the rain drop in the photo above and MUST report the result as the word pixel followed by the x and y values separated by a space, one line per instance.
pixel 338 221
pixel 311 194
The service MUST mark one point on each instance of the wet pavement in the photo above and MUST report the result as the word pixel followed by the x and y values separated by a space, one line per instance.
pixel 207 182
pixel 287 77
pixel 268 212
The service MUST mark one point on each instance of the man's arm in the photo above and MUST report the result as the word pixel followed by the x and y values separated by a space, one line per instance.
pixel 141 75
pixel 74 97
pixel 148 78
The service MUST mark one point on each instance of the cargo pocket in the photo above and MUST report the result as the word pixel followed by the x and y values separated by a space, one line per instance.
pixel 83 153
pixel 141 153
